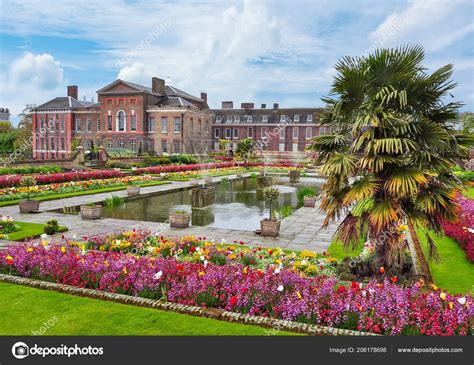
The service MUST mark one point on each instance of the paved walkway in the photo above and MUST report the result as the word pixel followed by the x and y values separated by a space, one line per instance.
pixel 302 230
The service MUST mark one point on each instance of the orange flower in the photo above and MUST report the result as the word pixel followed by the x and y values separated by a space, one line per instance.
pixel 382 270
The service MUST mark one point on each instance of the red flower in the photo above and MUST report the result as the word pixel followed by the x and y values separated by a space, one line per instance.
pixel 180 267
pixel 242 242
pixel 9 262
pixel 259 273
pixel 192 248
pixel 355 285
pixel 341 289
pixel 245 290
pixel 394 279
pixel 270 252
pixel 233 300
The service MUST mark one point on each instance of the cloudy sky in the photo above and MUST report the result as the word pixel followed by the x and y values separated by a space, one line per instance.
pixel 260 51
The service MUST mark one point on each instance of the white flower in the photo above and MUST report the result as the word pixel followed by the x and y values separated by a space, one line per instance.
pixel 117 242
pixel 158 275
pixel 198 249
pixel 470 230
pixel 151 249
pixel 205 263
pixel 462 300
pixel 83 252
pixel 74 236
pixel 277 270
pixel 280 288
pixel 202 258
pixel 224 240
pixel 364 293
pixel 44 236
pixel 304 262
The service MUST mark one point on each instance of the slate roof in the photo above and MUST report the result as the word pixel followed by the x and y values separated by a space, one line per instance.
pixel 63 102
pixel 241 116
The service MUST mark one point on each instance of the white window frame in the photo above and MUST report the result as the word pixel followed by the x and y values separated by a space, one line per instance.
pixel 237 118
pixel 249 119
pixel 309 118
pixel 282 118
pixel 229 119
pixel 217 133
pixel 296 132
pixel 89 125
pixel 282 132
pixel 117 121
pixel 264 118
pixel 228 135
pixel 164 122
pixel 177 123
pixel 133 120
pixel 151 125
pixel 234 134
pixel 295 147
pixel 98 125
pixel 309 132
pixel 281 147
pixel 219 119
pixel 250 132
pixel 296 118
pixel 78 125
pixel 322 131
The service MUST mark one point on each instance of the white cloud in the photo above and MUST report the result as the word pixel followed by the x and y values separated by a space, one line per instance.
pixel 30 78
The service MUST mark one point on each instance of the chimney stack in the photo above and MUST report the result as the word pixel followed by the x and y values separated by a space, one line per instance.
pixel 264 106
pixel 72 91
pixel 158 86
pixel 204 97
pixel 275 106
pixel 246 105
pixel 227 105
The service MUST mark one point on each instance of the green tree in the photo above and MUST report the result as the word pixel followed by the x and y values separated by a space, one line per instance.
pixel 467 123
pixel 245 149
pixel 392 151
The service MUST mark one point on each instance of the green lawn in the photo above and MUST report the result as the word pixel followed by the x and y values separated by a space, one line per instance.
pixel 455 273
pixel 84 192
pixel 26 309
pixel 336 250
pixel 469 192
pixel 29 230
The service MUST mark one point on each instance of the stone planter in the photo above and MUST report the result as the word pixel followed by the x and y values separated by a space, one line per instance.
pixel 202 197
pixel 91 211
pixel 133 190
pixel 294 176
pixel 27 206
pixel 270 228
pixel 309 201
pixel 180 220
pixel 264 182
pixel 208 179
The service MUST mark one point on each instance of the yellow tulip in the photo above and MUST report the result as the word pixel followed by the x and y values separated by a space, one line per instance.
pixel 443 296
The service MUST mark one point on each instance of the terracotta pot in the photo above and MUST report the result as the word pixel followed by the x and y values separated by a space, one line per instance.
pixel 309 201
pixel 27 206
pixel 270 228
pixel 133 190
pixel 180 220
pixel 91 211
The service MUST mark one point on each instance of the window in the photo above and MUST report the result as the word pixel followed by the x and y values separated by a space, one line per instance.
pixel 296 118
pixel 219 119
pixel 229 119
pixel 216 146
pixel 295 132
pixel 89 125
pixel 121 121
pixel 309 118
pixel 133 122
pixel 164 125
pixel 192 124
pixel 236 133
pixel 309 132
pixel 282 133
pixel 176 147
pixel 263 132
pixel 133 101
pixel 250 132
pixel 109 143
pixel 281 147
pixel 217 133
pixel 199 125
pixel 164 146
pixel 62 123
pixel 78 125
pixel 109 101
pixel 151 125
pixel 207 126
pixel 133 145
pixel 121 143
pixel 228 133
pixel 41 122
pixel 51 123
pixel 52 144
pixel 264 118
pixel 322 130
pixel 249 119
pixel 63 144
pixel 177 125
pixel 98 125
pixel 237 118
pixel 121 101
pixel 43 144
pixel 282 118
pixel 109 123
pixel 295 147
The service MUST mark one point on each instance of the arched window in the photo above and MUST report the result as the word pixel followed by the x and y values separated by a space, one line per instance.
pixel 121 121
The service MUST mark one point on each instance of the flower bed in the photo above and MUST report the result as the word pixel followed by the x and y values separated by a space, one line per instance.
pixel 199 250
pixel 463 230
pixel 30 170
pixel 16 193
pixel 42 179
pixel 377 307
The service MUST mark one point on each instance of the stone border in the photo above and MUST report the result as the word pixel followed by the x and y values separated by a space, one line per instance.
pixel 274 325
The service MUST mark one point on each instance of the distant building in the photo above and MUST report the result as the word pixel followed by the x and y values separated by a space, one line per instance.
pixel 4 114
pixel 160 118
pixel 282 130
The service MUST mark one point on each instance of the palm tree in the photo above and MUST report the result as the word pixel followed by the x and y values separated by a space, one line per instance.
pixel 389 159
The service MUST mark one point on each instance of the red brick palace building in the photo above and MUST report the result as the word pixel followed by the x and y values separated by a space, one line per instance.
pixel 160 118
pixel 163 119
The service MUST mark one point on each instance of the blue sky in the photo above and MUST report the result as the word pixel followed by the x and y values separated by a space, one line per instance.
pixel 260 51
